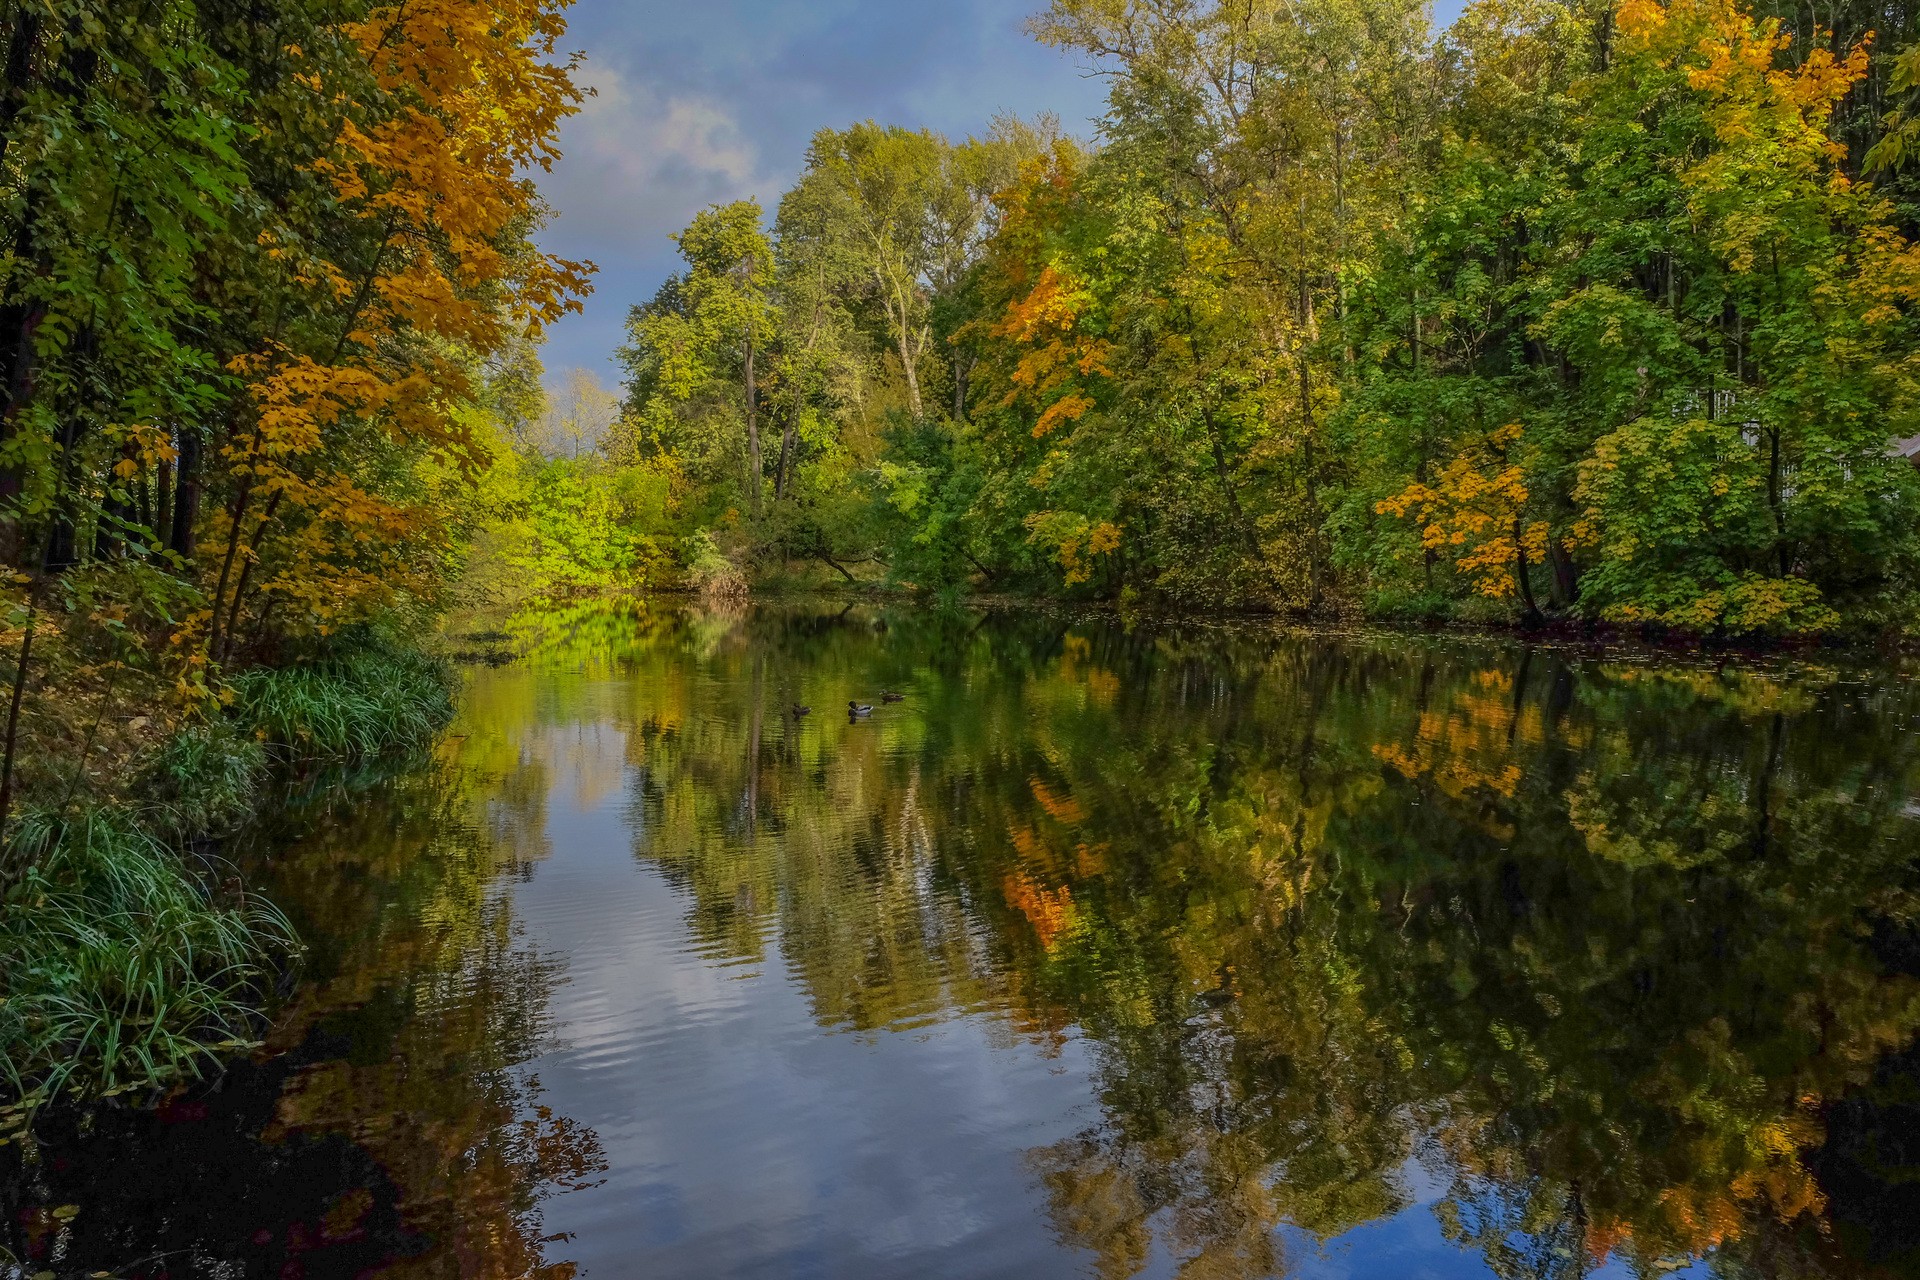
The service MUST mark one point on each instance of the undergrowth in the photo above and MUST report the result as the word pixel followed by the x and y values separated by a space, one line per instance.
pixel 202 781
pixel 129 960
pixel 123 970
pixel 358 700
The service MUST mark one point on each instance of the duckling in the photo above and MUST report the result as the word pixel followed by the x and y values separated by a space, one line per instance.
pixel 856 711
pixel 892 697
pixel 800 712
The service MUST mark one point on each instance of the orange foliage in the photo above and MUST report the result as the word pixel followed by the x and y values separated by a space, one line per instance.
pixel 1062 809
pixel 1049 911
pixel 1045 322
pixel 472 99
pixel 1475 511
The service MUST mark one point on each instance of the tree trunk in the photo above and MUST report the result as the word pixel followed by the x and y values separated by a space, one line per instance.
pixel 13 728
pixel 754 463
pixel 907 366
pixel 1523 575
pixel 63 540
pixel 21 47
pixel 839 568
pixel 962 374
pixel 1776 502
pixel 163 505
pixel 1240 524
pixel 17 323
pixel 1566 575
pixel 1307 327
pixel 20 324
pixel 186 496
pixel 246 574
pixel 783 475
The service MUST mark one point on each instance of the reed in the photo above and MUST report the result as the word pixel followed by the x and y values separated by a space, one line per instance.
pixel 129 961
pixel 203 781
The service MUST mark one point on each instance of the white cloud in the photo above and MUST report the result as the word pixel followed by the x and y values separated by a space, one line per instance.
pixel 638 161
pixel 643 131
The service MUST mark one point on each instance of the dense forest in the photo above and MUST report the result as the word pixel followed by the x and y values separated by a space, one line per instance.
pixel 1598 311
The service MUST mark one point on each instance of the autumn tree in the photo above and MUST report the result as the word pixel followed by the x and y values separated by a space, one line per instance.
pixel 255 264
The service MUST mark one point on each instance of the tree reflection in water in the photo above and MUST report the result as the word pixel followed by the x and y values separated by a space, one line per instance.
pixel 387 1127
pixel 1591 946
pixel 1591 960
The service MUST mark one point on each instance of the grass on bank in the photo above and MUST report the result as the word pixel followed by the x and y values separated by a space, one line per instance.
pixel 203 781
pixel 123 969
pixel 127 960
pixel 359 700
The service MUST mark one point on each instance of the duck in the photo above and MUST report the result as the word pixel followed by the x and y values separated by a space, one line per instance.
pixel 856 710
pixel 892 697
pixel 800 712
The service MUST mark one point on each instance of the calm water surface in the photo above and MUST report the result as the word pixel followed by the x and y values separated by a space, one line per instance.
pixel 1172 951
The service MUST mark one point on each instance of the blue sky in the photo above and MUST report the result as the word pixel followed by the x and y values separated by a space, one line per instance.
pixel 706 101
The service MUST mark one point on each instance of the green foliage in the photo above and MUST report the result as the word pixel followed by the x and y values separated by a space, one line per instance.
pixel 1695 337
pixel 1569 312
pixel 709 572
pixel 122 971
pixel 764 380
pixel 582 535
pixel 267 286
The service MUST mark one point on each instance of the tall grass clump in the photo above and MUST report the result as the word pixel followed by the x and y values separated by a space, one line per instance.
pixel 122 971
pixel 202 781
pixel 360 697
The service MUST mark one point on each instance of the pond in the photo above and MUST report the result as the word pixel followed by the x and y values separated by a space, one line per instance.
pixel 1152 950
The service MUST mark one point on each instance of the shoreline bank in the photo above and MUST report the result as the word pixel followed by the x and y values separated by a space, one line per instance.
pixel 136 958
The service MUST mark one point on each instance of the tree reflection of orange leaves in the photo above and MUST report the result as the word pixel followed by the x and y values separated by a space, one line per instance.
pixel 1783 1183
pixel 1102 685
pixel 1049 911
pixel 468 1173
pixel 1469 746
pixel 1701 1219
pixel 1035 852
pixel 1604 1237
pixel 1456 778
pixel 1091 860
pixel 1064 810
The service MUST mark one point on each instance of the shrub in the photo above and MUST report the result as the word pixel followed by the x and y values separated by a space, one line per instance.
pixel 709 572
